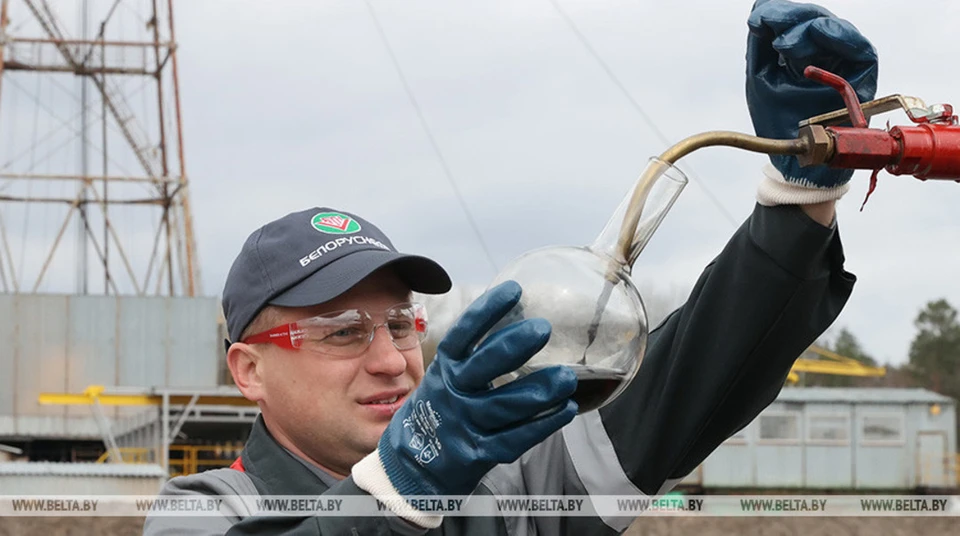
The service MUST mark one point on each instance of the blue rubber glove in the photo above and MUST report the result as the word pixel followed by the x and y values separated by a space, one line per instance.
pixel 786 37
pixel 455 428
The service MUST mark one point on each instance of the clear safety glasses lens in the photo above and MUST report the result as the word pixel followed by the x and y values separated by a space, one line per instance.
pixel 348 333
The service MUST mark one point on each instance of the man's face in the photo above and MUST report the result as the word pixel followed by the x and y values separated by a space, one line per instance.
pixel 334 409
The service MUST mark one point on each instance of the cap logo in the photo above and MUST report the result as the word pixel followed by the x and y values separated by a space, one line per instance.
pixel 335 223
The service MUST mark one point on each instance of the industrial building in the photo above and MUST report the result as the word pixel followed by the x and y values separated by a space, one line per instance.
pixel 163 352
pixel 867 439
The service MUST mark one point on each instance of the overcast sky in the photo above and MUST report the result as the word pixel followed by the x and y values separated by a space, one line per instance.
pixel 292 107
pixel 294 104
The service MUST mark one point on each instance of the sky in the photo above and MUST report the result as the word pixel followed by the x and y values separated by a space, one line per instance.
pixel 295 104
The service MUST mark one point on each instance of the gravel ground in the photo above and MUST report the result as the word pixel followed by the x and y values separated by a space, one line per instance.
pixel 905 526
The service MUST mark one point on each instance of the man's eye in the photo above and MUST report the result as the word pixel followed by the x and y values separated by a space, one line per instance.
pixel 401 326
pixel 346 332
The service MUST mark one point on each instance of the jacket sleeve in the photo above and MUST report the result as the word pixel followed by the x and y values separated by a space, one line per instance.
pixel 715 363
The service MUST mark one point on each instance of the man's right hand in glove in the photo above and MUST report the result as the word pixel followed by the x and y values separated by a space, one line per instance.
pixel 455 427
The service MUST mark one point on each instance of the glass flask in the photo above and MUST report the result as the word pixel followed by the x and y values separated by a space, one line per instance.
pixel 587 293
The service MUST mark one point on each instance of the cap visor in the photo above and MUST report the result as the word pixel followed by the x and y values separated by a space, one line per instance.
pixel 421 274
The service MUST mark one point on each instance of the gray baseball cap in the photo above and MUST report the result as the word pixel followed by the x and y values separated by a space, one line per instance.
pixel 310 257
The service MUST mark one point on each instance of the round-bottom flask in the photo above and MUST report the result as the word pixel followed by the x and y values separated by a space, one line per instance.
pixel 599 322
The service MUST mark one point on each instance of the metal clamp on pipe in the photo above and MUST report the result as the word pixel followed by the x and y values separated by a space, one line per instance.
pixel 929 150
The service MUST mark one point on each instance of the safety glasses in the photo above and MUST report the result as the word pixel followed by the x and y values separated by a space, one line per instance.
pixel 350 332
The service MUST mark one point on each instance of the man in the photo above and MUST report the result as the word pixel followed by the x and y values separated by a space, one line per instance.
pixel 347 408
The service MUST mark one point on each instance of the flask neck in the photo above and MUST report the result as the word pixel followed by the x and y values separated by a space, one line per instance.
pixel 640 213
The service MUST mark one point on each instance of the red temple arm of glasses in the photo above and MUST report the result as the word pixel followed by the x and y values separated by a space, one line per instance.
pixel 279 335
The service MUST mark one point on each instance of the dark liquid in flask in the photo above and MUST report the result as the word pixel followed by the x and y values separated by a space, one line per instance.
pixel 594 385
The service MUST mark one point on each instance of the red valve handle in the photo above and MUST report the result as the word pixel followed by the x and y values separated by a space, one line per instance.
pixel 850 98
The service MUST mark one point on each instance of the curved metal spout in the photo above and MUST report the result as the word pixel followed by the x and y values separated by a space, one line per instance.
pixel 798 146
pixel 755 144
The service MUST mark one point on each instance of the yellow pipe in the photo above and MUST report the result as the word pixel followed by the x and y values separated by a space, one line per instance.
pixel 67 399
pixel 93 394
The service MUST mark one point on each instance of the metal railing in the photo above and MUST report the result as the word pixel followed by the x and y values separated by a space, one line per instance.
pixel 191 459
pixel 183 459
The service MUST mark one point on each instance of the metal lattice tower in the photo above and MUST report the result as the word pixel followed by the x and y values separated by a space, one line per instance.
pixel 94 194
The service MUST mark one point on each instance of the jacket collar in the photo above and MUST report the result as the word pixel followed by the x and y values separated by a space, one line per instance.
pixel 280 470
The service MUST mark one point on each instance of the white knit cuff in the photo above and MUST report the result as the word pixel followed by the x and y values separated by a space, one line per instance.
pixel 775 190
pixel 369 475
